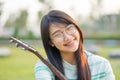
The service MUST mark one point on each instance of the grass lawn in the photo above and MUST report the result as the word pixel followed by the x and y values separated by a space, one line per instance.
pixel 115 63
pixel 20 64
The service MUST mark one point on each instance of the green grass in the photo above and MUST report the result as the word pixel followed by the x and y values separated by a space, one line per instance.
pixel 20 64
pixel 115 63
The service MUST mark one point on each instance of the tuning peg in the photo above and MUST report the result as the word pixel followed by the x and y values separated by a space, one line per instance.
pixel 11 41
pixel 23 48
pixel 16 45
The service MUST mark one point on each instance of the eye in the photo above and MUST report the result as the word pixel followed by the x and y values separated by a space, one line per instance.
pixel 57 35
pixel 70 28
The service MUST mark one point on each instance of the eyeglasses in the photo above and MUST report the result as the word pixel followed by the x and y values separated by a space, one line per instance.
pixel 70 29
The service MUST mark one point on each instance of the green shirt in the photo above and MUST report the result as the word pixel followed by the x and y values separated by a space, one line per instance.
pixel 99 66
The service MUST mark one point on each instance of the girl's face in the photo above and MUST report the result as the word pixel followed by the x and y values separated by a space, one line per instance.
pixel 64 37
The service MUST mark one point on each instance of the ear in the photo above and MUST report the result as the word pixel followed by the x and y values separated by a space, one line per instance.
pixel 51 43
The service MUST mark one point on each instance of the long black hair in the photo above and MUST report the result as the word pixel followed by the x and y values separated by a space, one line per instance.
pixel 53 54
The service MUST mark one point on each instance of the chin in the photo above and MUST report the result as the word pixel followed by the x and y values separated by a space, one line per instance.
pixel 73 49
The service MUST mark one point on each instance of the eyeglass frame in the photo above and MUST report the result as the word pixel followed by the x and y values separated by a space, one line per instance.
pixel 62 33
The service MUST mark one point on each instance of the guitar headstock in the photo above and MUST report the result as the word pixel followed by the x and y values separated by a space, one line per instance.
pixel 21 44
pixel 27 47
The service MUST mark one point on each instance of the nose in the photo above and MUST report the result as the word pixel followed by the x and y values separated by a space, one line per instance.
pixel 66 36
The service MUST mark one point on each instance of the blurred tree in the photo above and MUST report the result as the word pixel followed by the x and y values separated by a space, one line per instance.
pixel 30 35
pixel 18 23
pixel 47 5
pixel 0 8
pixel 96 7
pixel 119 21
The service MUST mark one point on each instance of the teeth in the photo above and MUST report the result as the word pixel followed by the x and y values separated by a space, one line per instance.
pixel 68 44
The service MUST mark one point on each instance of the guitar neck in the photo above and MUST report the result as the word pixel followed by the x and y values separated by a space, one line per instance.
pixel 27 47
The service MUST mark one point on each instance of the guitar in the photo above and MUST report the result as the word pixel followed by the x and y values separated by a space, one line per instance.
pixel 29 48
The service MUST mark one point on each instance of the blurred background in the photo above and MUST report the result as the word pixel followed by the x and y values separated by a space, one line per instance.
pixel 98 19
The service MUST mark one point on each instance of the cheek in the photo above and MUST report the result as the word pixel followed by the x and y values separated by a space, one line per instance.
pixel 77 36
pixel 58 44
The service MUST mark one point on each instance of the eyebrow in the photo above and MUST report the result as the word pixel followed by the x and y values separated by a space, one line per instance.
pixel 55 32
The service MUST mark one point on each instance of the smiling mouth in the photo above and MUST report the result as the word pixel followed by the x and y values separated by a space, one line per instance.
pixel 71 43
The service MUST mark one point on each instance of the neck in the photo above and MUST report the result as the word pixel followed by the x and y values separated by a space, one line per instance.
pixel 69 57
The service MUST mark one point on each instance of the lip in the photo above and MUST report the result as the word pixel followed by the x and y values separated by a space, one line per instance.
pixel 69 44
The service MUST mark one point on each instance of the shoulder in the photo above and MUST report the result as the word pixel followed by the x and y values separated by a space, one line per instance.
pixel 41 66
pixel 40 63
pixel 95 59
pixel 98 63
pixel 100 67
pixel 42 71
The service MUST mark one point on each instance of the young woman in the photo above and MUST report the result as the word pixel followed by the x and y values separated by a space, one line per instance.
pixel 63 42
